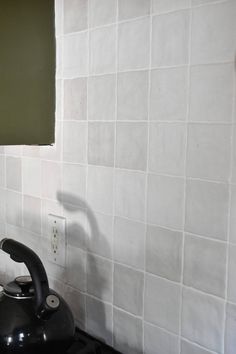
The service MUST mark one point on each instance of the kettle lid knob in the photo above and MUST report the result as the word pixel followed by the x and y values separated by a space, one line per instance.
pixel 23 280
pixel 25 283
pixel 21 287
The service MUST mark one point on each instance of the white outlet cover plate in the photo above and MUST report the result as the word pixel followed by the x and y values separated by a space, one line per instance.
pixel 57 239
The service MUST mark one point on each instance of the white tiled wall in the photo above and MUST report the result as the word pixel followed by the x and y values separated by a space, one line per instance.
pixel 144 170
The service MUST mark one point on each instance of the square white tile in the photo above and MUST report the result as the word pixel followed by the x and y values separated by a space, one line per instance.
pixel 187 347
pixel 203 2
pixel 133 8
pixel 2 171
pixel 76 301
pixel 129 241
pixel 167 144
pixel 207 209
pixel 31 174
pixel 32 214
pixel 234 155
pixel 128 289
pixel 15 150
pixel 74 182
pixel 128 332
pixel 75 15
pixel 102 12
pixel 131 145
pixel 59 17
pixel 133 44
pixel 100 234
pixel 51 179
pixel 102 97
pixel 170 39
pixel 211 93
pixel 99 277
pixel 233 215
pixel 74 142
pixel 162 303
pixel 130 194
pixel 101 143
pixel 13 173
pixel 76 229
pixel 159 341
pixel 75 55
pixel 213 33
pixel 75 99
pixel 231 274
pixel 13 208
pixel 3 208
pixel 165 201
pixel 99 319
pixel 160 6
pixel 202 319
pixel 230 341
pixel 75 268
pixel 34 150
pixel 208 151
pixel 132 96
pixel 164 252
pixel 103 50
pixel 100 189
pixel 168 99
pixel 205 265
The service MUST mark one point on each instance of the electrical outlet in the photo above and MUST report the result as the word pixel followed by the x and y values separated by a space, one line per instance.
pixel 57 236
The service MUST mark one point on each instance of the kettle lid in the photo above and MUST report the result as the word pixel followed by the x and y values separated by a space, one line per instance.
pixel 20 288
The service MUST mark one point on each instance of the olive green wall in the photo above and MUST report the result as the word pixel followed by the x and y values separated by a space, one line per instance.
pixel 27 72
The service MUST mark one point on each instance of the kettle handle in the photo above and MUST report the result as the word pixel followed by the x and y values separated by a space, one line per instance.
pixel 45 302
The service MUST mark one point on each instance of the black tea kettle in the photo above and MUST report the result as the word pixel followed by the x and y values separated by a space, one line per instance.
pixel 33 318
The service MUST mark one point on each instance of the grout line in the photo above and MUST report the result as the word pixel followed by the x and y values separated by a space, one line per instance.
pixel 137 269
pixel 216 2
pixel 141 121
pixel 86 170
pixel 185 169
pixel 147 168
pixel 111 24
pixel 229 209
pixel 199 346
pixel 177 66
pixel 114 166
pixel 131 314
pixel 207 238
pixel 213 296
pixel 61 144
pixel 210 238
pixel 62 163
pixel 84 164
pixel 138 18
pixel 161 328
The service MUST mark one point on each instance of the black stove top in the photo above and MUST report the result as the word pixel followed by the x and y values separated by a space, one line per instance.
pixel 85 344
